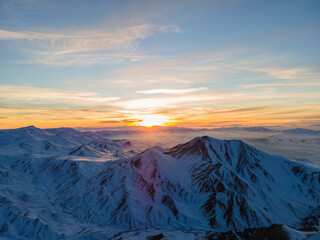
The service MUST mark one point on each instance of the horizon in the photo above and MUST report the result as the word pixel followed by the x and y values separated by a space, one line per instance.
pixel 193 64
pixel 157 127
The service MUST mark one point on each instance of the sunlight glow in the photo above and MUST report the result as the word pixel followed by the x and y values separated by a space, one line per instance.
pixel 153 120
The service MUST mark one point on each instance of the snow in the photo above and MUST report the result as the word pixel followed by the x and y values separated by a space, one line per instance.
pixel 298 235
pixel 89 186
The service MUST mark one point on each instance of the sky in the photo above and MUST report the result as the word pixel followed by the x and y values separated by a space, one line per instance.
pixel 82 63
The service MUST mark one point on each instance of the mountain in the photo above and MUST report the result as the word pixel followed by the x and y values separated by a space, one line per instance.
pixel 299 140
pixel 35 142
pixel 203 187
pixel 250 129
pixel 302 131
pixel 104 148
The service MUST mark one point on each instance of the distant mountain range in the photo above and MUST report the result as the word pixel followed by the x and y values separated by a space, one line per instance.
pixel 297 131
pixel 250 129
pixel 32 141
pixel 126 130
pixel 302 131
pixel 202 189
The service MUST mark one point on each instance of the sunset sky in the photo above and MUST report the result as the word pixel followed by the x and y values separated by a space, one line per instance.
pixel 185 63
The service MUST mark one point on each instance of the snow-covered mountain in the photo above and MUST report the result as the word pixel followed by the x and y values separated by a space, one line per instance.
pixel 35 142
pixel 249 129
pixel 203 187
pixel 302 131
pixel 283 138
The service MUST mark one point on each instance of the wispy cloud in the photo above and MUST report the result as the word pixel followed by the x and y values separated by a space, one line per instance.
pixel 22 95
pixel 194 100
pixel 21 105
pixel 82 41
pixel 88 40
pixel 283 84
pixel 62 116
pixel 170 28
pixel 224 66
pixel 285 73
pixel 172 91
pixel 89 46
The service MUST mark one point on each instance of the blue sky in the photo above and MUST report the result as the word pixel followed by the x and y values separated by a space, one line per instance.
pixel 192 63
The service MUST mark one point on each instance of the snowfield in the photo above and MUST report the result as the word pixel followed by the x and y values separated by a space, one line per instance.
pixel 67 184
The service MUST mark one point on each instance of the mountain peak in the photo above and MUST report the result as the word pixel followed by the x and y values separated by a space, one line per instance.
pixel 235 154
pixel 30 130
pixel 148 156
pixel 31 127
pixel 155 149
pixel 201 146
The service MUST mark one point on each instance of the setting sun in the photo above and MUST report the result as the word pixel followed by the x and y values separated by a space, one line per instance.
pixel 153 120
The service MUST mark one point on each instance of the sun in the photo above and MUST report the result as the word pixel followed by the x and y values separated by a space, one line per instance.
pixel 153 120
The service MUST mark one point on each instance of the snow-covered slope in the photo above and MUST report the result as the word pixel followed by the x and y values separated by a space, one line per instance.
pixel 202 185
pixel 274 232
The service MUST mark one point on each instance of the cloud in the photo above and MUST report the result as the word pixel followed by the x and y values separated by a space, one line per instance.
pixel 284 84
pixel 194 101
pixel 52 117
pixel 172 91
pixel 170 28
pixel 87 47
pixel 213 69
pixel 51 107
pixel 36 96
pixel 84 40
pixel 285 73
pixel 126 121
pixel 110 121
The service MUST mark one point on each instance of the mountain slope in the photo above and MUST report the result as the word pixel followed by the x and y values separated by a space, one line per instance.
pixel 202 185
